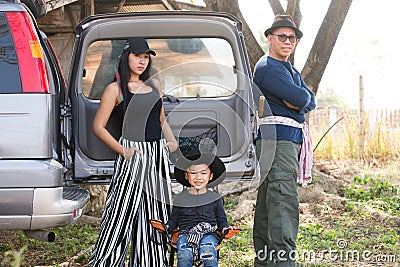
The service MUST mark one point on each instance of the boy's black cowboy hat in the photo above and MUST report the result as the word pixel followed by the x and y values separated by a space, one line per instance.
pixel 215 164
pixel 283 21
pixel 137 46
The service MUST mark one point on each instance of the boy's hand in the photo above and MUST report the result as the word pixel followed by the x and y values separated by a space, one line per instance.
pixel 224 230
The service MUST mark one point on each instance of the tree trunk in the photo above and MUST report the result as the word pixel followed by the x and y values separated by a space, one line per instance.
pixel 232 6
pixel 324 43
pixel 183 6
pixel 211 5
pixel 98 195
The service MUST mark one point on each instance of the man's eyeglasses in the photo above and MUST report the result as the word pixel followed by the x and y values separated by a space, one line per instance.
pixel 283 38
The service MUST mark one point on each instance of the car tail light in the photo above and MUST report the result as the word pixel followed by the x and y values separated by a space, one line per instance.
pixel 29 53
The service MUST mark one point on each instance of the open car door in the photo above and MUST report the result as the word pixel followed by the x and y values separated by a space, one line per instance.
pixel 204 73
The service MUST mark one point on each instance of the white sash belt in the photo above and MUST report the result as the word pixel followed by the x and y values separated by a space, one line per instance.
pixel 306 153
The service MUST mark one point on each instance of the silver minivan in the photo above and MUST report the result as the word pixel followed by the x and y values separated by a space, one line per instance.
pixel 33 194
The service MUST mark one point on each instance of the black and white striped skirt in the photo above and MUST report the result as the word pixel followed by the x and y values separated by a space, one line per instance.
pixel 140 190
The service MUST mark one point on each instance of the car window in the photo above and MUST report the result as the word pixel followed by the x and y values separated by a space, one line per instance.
pixel 186 67
pixel 9 71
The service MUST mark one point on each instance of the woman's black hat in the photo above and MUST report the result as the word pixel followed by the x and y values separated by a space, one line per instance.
pixel 137 46
pixel 283 21
pixel 215 164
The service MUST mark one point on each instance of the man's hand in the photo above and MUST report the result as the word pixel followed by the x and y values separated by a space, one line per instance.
pixel 290 105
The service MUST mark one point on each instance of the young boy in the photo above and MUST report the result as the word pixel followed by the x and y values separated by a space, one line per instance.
pixel 197 211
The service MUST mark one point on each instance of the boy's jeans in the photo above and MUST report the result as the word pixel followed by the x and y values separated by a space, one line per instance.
pixel 207 251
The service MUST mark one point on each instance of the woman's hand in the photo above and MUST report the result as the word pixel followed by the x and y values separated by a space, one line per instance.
pixel 172 146
pixel 127 152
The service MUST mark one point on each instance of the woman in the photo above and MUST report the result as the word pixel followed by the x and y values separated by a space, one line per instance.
pixel 139 189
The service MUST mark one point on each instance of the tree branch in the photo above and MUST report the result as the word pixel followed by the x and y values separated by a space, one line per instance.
pixel 291 7
pixel 276 7
pixel 211 5
pixel 187 6
pixel 324 43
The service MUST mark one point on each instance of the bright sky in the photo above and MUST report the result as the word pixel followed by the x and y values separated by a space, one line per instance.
pixel 367 46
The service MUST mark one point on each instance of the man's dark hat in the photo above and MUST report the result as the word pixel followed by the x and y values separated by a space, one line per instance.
pixel 215 164
pixel 137 46
pixel 283 21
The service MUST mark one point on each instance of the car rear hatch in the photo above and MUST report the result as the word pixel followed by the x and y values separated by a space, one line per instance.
pixel 203 69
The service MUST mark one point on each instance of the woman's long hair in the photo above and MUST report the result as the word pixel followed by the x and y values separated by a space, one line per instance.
pixel 124 73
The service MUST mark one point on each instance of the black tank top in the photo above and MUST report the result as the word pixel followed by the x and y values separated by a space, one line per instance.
pixel 142 117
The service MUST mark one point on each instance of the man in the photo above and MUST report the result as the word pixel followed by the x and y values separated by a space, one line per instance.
pixel 279 140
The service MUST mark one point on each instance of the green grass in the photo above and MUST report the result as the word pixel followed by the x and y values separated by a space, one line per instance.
pixel 380 194
pixel 347 237
pixel 238 251
pixel 69 242
pixel 353 235
pixel 345 233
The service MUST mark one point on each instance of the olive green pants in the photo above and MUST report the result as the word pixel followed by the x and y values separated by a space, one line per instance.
pixel 276 218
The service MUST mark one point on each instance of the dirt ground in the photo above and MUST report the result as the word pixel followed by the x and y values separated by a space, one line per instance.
pixel 317 201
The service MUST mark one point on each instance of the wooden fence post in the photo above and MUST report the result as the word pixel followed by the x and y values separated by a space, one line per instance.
pixel 361 136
